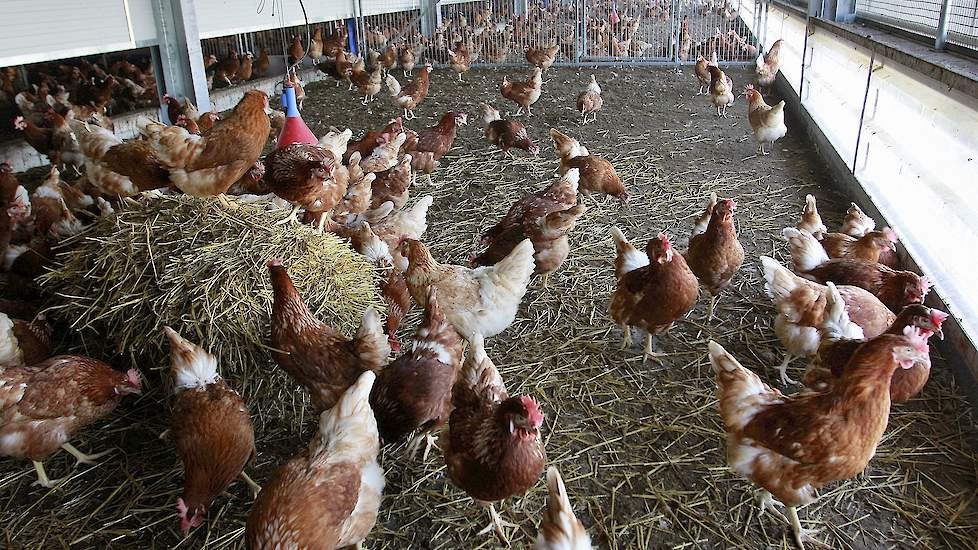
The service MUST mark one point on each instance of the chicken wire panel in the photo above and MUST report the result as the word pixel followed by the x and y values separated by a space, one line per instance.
pixel 963 23
pixel 485 27
pixel 620 31
pixel 398 29
pixel 710 26
pixel 919 16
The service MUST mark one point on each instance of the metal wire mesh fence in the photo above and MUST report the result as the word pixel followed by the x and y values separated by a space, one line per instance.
pixel 923 17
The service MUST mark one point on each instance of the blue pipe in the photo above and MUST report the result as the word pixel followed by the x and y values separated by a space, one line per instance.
pixel 351 34
pixel 288 101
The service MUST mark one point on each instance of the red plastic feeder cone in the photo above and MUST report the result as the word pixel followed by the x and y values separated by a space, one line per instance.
pixel 295 130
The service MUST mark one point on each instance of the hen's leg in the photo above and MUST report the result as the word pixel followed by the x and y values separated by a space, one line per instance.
pixel 802 535
pixel 518 111
pixel 495 523
pixel 713 305
pixel 293 217
pixel 626 339
pixel 223 199
pixel 768 504
pixel 459 77
pixel 783 369
pixel 82 457
pixel 415 444
pixel 322 223
pixel 42 476
pixel 528 111
pixel 650 352
pixel 255 488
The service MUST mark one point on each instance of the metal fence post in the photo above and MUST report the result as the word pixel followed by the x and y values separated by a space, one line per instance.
pixel 428 9
pixel 941 42
pixel 181 58
pixel 862 114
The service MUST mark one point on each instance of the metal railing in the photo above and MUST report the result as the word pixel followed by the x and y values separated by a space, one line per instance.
pixel 944 21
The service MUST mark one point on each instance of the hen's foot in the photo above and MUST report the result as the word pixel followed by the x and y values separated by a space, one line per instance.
pixel 626 339
pixel 783 369
pixel 42 477
pixel 650 352
pixel 801 534
pixel 293 217
pixel 767 503
pixel 255 488
pixel 497 524
pixel 415 444
pixel 82 457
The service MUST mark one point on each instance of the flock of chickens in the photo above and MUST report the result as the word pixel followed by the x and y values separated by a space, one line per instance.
pixel 846 307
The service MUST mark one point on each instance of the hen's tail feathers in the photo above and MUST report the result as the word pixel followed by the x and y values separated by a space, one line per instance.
pixel 393 86
pixel 190 365
pixel 811 221
pixel 349 426
pixel 628 258
pixel 436 338
pixel 518 265
pixel 738 388
pixel 560 530
pixel 371 344
pixel 416 218
pixel 572 180
pixel 704 220
pixel 857 223
pixel 480 378
pixel 836 324
pixel 779 282
pixel 93 140
pixel 806 252
pixel 777 108
pixel 10 352
pixel 793 297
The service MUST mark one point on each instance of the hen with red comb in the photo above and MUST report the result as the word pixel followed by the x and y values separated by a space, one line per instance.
pixel 716 254
pixel 43 405
pixel 652 297
pixel 494 449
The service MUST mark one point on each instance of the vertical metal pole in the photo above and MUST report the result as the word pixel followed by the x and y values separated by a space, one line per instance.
pixel 941 42
pixel 181 58
pixel 427 17
pixel 676 30
pixel 804 54
pixel 582 51
pixel 862 114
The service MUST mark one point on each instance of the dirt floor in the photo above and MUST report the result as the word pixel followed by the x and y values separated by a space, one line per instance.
pixel 640 445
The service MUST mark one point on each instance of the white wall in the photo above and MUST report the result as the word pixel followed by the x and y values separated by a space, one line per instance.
pixel 375 7
pixel 224 17
pixel 32 31
pixel 72 28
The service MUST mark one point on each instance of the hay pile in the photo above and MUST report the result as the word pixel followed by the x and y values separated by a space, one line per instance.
pixel 199 266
